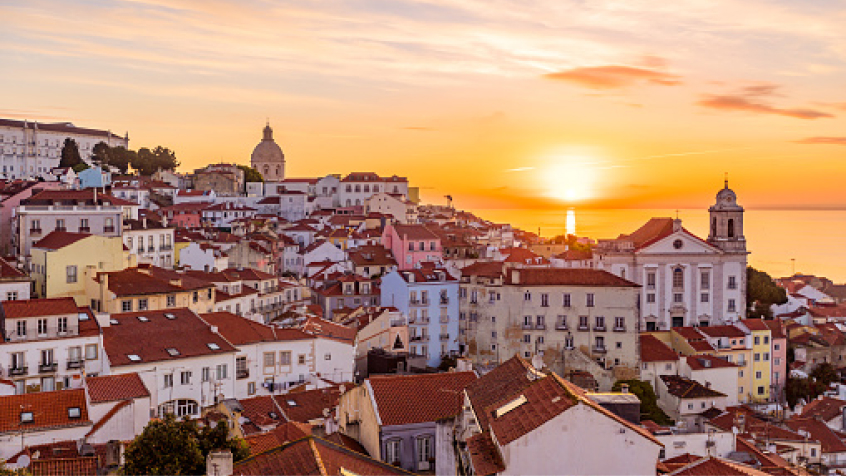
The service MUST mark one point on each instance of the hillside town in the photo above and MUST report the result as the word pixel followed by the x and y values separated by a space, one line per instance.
pixel 338 325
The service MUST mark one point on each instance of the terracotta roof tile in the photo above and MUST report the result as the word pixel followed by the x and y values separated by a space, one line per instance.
pixel 653 350
pixel 685 388
pixel 818 431
pixel 484 455
pixel 109 388
pixel 328 329
pixel 722 331
pixel 239 330
pixel 508 378
pixel 49 410
pixel 826 408
pixel 261 411
pixel 56 240
pixel 711 466
pixel 407 399
pixel 9 272
pixel 313 456
pixel 542 400
pixel 39 307
pixel 565 277
pixel 705 362
pixel 309 405
pixel 79 466
pixel 755 324
pixel 151 339
pixel 415 232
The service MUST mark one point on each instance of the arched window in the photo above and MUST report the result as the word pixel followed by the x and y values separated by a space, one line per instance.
pixel 678 278
pixel 266 170
pixel 731 228
pixel 278 171
pixel 714 227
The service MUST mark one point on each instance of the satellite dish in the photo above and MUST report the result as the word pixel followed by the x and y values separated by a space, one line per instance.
pixel 23 461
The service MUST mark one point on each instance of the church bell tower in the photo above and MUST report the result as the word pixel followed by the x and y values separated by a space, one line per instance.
pixel 726 218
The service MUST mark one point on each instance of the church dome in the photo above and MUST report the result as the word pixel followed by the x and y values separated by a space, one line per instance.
pixel 267 151
pixel 726 200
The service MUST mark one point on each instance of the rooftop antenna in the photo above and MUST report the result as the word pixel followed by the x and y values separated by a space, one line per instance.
pixel 793 266
pixel 727 179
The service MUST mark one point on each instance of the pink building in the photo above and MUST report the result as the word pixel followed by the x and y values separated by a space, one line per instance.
pixel 11 194
pixel 778 339
pixel 412 244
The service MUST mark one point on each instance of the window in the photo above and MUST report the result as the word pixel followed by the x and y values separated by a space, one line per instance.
pixel 424 449
pixel 732 282
pixel 541 322
pixel 766 339
pixel 757 340
pixel 650 280
pixel 493 335
pixel 42 327
pixel 285 358
pixel 251 388
pixel 269 360
pixel 777 361
pixel 703 297
pixel 185 378
pixel 60 224
pixel 126 305
pixel 600 322
pixel 74 412
pixel 301 359
pixel 589 300
pixel 583 322
pixel 705 280
pixel 168 380
pixel 566 302
pixel 757 357
pixel 776 346
pixel 221 372
pixel 91 352
pixel 758 374
pixel 527 339
pixel 392 451
pixel 12 296
pixel 327 357
pixel 678 278
pixel 48 384
pixel 47 357
pixel 71 274
pixel 205 374
pixel 527 296
pixel 732 307
pixel 21 327
pixel 766 356
pixel 619 322
pixel 142 304
pixel 650 297
pixel 171 300
pixel 527 321
pixel 600 343
pixel 760 390
pixel 544 300
pixel 63 325
pixel 196 296
pixel 678 298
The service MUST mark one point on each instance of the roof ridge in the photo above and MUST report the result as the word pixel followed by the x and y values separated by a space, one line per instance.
pixel 317 458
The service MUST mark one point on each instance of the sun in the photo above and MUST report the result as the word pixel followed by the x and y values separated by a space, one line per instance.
pixel 569 178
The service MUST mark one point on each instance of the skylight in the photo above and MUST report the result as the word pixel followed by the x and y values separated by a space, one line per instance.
pixel 213 346
pixel 83 316
pixel 292 403
pixel 74 412
pixel 26 417
pixel 133 357
pixel 114 322
pixel 172 352
pixel 143 319
pixel 510 406
pixel 170 316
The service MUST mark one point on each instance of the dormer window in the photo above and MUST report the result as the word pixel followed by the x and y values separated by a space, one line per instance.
pixel 74 412
pixel 172 352
pixel 133 357
pixel 27 417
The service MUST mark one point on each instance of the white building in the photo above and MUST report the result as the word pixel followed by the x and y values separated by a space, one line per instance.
pixel 149 241
pixel 685 280
pixel 14 283
pixel 203 257
pixel 356 188
pixel 119 406
pixel 49 344
pixel 184 363
pixel 32 149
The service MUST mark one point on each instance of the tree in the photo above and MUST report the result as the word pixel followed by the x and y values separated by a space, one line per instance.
pixel 251 174
pixel 164 158
pixel 120 158
pixel 70 154
pixel 649 409
pixel 802 388
pixel 170 446
pixel 147 162
pixel 80 167
pixel 101 154
pixel 825 373
pixel 762 293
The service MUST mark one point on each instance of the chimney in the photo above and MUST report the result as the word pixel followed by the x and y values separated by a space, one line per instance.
pixel 219 463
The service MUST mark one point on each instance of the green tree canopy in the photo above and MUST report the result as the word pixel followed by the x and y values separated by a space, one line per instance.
pixel 70 154
pixel 101 154
pixel 170 446
pixel 649 409
pixel 80 167
pixel 251 174
pixel 761 293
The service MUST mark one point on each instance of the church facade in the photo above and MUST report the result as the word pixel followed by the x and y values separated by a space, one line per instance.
pixel 685 280
pixel 268 158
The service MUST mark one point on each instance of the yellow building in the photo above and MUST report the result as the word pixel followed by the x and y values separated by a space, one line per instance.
pixel 761 358
pixel 62 262
pixel 149 288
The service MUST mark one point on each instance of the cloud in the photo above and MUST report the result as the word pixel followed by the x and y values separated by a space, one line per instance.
pixel 612 76
pixel 750 99
pixel 823 140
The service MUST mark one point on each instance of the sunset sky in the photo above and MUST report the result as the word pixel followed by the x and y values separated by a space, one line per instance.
pixel 501 104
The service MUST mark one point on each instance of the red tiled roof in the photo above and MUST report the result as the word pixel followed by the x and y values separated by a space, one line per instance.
pixel 151 280
pixel 323 328
pixel 755 324
pixel 508 378
pixel 282 434
pixel 247 274
pixel 313 456
pixel 819 431
pixel 705 362
pixel 65 196
pixel 688 333
pixel 49 410
pixel 9 272
pixel 685 458
pixel 776 328
pixel 682 387
pixel 79 466
pixel 826 408
pixel 575 255
pixel 565 277
pixel 414 232
pixel 712 465
pixel 261 411
pixel 306 406
pixel 151 340
pixel 239 330
pixel 484 455
pixel 653 350
pixel 407 399
pixel 56 240
pixel 39 307
pixel 109 388
pixel 543 400
pixel 485 269
pixel 722 331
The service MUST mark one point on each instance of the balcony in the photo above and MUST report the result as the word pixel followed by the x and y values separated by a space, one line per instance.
pixel 74 364
pixel 165 248
pixel 599 349
pixel 108 229
pixel 599 328
pixel 424 320
pixel 583 327
pixel 85 229
pixel 61 228
pixel 18 371
pixel 424 302
pixel 35 231
pixel 444 319
pixel 242 374
pixel 444 337
pixel 444 301
pixel 474 302
pixel 527 327
pixel 397 322
pixel 561 326
pixel 540 327
pixel 47 368
pixel 619 328
pixel 151 249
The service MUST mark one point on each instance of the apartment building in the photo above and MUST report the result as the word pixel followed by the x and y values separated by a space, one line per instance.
pixel 412 244
pixel 566 316
pixel 149 288
pixel 429 298
pixel 14 283
pixel 150 241
pixel 49 344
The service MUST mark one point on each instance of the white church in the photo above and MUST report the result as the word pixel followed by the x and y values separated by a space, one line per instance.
pixel 686 281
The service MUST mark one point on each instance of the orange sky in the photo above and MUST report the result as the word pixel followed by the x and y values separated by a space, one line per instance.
pixel 501 104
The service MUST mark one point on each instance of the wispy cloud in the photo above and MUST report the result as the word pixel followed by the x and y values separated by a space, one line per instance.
pixel 823 140
pixel 753 99
pixel 612 77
